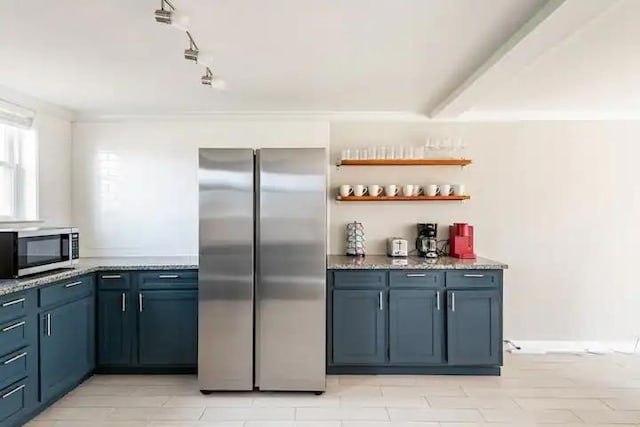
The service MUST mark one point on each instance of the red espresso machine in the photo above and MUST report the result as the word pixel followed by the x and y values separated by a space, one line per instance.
pixel 461 241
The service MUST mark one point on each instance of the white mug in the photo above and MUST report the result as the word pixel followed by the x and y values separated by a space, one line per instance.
pixel 375 190
pixel 359 190
pixel 445 189
pixel 432 190
pixel 458 189
pixel 346 190
pixel 417 190
pixel 391 190
pixel 408 190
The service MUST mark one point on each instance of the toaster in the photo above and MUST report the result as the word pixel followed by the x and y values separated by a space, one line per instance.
pixel 397 246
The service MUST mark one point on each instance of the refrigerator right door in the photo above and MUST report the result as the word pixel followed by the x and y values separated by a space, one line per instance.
pixel 291 269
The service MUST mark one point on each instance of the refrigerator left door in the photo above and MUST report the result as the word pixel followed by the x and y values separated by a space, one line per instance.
pixel 225 279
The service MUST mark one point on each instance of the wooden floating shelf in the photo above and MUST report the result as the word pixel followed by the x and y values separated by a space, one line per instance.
pixel 401 198
pixel 406 162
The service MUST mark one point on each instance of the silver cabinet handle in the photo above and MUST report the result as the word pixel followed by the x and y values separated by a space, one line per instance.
pixel 15 301
pixel 14 358
pixel 71 285
pixel 15 390
pixel 416 275
pixel 453 301
pixel 48 324
pixel 474 275
pixel 380 300
pixel 168 276
pixel 124 302
pixel 111 276
pixel 140 301
pixel 438 300
pixel 15 325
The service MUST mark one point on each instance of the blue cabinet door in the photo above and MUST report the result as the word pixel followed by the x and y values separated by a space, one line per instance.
pixel 168 328
pixel 66 346
pixel 474 328
pixel 359 327
pixel 116 327
pixel 416 319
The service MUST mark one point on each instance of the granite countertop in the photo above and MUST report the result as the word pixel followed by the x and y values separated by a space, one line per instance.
pixel 380 262
pixel 91 265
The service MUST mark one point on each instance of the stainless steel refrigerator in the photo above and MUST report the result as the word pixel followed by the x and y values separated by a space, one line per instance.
pixel 262 274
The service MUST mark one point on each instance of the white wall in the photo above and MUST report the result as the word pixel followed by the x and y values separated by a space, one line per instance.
pixel 135 182
pixel 54 169
pixel 558 201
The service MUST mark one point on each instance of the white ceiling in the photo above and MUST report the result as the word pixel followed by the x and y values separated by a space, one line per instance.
pixel 595 71
pixel 110 56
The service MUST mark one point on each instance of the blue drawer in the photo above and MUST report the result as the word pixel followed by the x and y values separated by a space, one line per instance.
pixel 416 278
pixel 17 304
pixel 13 366
pixel 14 334
pixel 473 279
pixel 115 280
pixel 67 290
pixel 359 279
pixel 168 279
pixel 13 401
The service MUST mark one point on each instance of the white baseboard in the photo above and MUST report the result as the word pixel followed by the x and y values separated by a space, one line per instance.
pixel 601 347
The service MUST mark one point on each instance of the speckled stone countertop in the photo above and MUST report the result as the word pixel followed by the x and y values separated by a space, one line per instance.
pixel 381 262
pixel 91 265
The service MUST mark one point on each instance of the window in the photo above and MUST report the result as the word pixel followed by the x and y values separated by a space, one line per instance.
pixel 18 174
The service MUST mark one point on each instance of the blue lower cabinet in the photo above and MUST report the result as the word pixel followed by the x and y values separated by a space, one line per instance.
pixel 116 327
pixel 474 327
pixel 67 346
pixel 359 327
pixel 416 326
pixel 168 328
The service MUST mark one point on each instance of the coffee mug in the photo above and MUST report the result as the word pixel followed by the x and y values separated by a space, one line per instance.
pixel 391 190
pixel 375 190
pixel 458 189
pixel 346 190
pixel 359 190
pixel 417 190
pixel 432 190
pixel 445 189
pixel 408 190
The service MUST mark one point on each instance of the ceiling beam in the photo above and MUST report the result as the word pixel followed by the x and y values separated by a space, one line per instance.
pixel 552 24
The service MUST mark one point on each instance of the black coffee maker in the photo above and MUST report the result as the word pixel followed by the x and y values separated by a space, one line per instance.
pixel 426 242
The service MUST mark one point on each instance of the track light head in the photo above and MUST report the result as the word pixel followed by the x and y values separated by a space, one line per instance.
pixel 191 53
pixel 167 14
pixel 207 79
pixel 162 15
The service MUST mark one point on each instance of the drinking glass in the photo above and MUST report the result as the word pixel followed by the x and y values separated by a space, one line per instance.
pixel 356 154
pixel 373 152
pixel 419 153
pixel 408 152
pixel 391 154
pixel 345 154
pixel 382 153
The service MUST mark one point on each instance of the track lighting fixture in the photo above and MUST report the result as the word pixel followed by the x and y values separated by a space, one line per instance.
pixel 167 14
pixel 191 53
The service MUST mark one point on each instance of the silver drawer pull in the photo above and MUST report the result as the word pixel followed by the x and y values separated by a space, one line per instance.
pixel 416 275
pixel 438 300
pixel 168 276
pixel 453 301
pixel 71 285
pixel 15 301
pixel 15 390
pixel 111 276
pixel 474 275
pixel 124 302
pixel 16 325
pixel 14 358
pixel 380 300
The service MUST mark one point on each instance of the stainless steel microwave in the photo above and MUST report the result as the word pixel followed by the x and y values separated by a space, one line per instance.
pixel 35 250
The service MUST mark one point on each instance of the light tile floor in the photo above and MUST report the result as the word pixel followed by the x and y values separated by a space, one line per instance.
pixel 569 390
